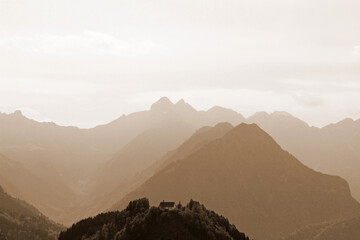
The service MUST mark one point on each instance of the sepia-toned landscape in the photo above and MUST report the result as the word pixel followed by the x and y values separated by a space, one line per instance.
pixel 180 120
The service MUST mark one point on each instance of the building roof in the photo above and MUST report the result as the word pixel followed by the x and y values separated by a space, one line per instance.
pixel 167 204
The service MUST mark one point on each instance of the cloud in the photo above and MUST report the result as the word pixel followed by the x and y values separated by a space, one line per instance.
pixel 308 100
pixel 87 42
pixel 357 50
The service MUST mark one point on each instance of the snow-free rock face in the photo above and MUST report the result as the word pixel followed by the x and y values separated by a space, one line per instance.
pixel 249 178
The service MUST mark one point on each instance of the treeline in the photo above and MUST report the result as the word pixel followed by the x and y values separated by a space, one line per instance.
pixel 140 221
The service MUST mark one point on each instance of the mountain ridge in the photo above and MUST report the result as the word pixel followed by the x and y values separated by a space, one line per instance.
pixel 19 220
pixel 264 179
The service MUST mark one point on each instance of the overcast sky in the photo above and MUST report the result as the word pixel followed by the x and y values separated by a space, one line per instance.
pixel 87 62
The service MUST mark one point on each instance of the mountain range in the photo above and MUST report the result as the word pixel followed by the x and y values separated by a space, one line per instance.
pixel 246 176
pixel 70 173
pixel 75 161
pixel 333 149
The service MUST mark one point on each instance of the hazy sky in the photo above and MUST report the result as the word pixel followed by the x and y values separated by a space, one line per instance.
pixel 87 62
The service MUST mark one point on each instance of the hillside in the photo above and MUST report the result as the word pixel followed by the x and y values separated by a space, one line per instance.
pixel 346 229
pixel 139 154
pixel 41 157
pixel 54 156
pixel 333 149
pixel 201 137
pixel 17 180
pixel 139 221
pixel 246 176
pixel 19 220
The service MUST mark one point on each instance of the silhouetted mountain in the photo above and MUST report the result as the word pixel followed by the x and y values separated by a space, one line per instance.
pixel 68 158
pixel 52 155
pixel 121 171
pixel 22 183
pixel 201 137
pixel 130 126
pixel 246 176
pixel 334 149
pixel 345 230
pixel 197 140
pixel 139 221
pixel 19 220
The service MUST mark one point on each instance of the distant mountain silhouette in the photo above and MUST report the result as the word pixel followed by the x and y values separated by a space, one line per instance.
pixel 70 173
pixel 18 181
pixel 333 149
pixel 346 229
pixel 140 222
pixel 50 154
pixel 68 159
pixel 246 176
pixel 19 220
pixel 201 137
pixel 121 171
pixel 108 137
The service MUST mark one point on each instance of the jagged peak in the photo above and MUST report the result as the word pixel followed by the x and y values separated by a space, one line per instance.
pixel 162 104
pixel 181 102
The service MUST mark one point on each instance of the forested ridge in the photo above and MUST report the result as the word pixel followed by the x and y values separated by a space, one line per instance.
pixel 140 221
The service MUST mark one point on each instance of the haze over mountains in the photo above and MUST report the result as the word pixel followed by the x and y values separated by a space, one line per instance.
pixel 333 149
pixel 19 220
pixel 69 158
pixel 348 229
pixel 247 177
pixel 70 173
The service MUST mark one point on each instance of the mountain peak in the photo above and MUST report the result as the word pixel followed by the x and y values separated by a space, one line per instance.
pixel 258 115
pixel 18 113
pixel 251 128
pixel 181 102
pixel 224 125
pixel 163 104
pixel 248 132
pixel 281 113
